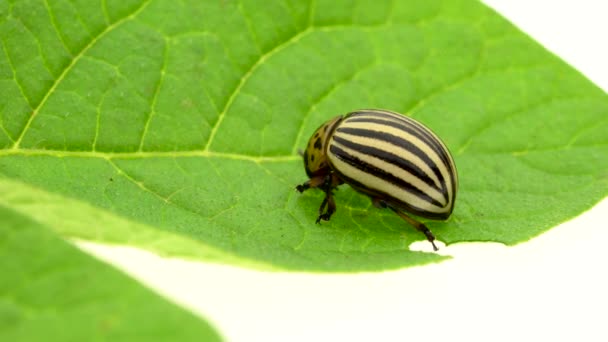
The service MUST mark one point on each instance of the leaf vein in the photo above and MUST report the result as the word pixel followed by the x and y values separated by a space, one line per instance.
pixel 56 27
pixel 293 39
pixel 254 36
pixel 325 94
pixel 70 66
pixel 515 113
pixel 311 12
pixel 13 70
pixel 159 84
pixel 150 154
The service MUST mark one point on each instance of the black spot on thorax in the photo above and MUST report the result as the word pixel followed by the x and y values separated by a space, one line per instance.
pixel 318 144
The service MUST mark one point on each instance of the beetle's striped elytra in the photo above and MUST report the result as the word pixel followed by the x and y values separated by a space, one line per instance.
pixel 398 162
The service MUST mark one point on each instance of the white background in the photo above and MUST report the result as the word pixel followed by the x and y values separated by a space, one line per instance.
pixel 551 288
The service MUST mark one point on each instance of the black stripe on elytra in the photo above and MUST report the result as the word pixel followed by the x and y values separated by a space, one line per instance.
pixel 393 159
pixel 425 131
pixel 411 128
pixel 396 141
pixel 438 215
pixel 382 174
pixel 409 125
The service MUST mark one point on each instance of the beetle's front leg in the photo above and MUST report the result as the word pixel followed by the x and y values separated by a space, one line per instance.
pixel 328 202
pixel 326 183
pixel 314 182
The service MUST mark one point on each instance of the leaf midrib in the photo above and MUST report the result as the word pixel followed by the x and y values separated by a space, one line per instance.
pixel 143 155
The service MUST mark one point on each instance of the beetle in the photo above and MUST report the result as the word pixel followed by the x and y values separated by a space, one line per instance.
pixel 395 160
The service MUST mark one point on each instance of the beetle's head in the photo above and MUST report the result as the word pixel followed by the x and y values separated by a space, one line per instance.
pixel 315 156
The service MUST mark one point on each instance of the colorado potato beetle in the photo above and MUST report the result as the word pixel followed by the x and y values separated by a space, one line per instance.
pixel 395 160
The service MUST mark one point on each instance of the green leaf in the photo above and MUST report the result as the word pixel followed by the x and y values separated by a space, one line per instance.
pixel 176 126
pixel 49 290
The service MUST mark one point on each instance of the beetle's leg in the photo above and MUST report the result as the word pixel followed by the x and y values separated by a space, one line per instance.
pixel 314 182
pixel 322 209
pixel 378 203
pixel 326 183
pixel 418 225
pixel 303 187
pixel 328 202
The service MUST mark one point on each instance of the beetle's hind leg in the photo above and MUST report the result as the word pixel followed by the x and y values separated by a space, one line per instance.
pixel 418 225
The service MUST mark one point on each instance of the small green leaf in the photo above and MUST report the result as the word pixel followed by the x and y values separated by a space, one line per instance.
pixel 50 291
pixel 179 124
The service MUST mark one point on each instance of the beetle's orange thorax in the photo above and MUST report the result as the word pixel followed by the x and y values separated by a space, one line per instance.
pixel 315 156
